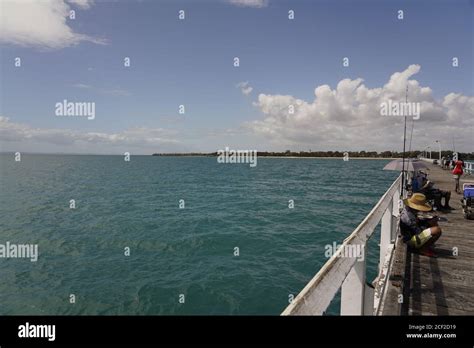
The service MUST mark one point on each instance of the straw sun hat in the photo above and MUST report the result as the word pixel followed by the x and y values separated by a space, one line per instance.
pixel 418 202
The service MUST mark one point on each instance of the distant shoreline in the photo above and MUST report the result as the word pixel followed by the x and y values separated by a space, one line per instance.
pixel 194 155
pixel 365 155
pixel 339 156
pixel 290 157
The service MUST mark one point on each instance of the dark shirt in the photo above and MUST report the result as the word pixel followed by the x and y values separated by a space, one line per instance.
pixel 409 225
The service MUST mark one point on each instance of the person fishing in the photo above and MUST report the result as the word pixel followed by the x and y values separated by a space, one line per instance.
pixel 457 172
pixel 427 188
pixel 419 234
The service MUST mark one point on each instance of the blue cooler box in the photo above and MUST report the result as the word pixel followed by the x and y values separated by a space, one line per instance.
pixel 468 190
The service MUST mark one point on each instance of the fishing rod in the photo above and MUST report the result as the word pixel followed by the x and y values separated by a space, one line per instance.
pixel 404 144
pixel 411 134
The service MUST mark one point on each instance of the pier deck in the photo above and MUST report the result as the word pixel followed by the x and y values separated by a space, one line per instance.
pixel 443 285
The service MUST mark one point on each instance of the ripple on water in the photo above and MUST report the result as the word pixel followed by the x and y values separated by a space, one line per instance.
pixel 175 251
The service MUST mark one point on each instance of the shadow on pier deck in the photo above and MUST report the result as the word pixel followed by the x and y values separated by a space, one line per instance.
pixel 437 286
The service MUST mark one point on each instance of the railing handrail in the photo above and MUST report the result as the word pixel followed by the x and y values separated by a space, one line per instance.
pixel 321 289
pixel 469 167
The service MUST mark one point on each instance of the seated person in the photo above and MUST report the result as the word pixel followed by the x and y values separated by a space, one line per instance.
pixel 418 234
pixel 418 181
pixel 435 194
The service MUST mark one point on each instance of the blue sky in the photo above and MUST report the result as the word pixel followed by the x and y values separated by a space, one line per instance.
pixel 190 62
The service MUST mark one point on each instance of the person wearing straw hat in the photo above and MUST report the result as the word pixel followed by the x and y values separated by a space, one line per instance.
pixel 418 234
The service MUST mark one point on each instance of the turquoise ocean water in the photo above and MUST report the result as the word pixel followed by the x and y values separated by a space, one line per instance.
pixel 175 251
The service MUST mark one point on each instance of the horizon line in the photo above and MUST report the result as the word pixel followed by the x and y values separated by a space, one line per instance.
pixel 191 153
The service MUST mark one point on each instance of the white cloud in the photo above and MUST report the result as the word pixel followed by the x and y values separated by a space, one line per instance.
pixel 81 85
pixel 245 88
pixel 84 4
pixel 250 3
pixel 107 91
pixel 42 23
pixel 348 117
pixel 150 139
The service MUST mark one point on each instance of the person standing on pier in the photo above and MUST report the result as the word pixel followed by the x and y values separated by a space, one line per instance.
pixel 447 163
pixel 457 172
pixel 418 234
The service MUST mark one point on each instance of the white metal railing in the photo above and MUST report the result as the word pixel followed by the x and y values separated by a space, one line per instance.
pixel 349 273
pixel 469 167
pixel 430 160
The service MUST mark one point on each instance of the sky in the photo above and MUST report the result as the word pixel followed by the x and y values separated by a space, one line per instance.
pixel 190 62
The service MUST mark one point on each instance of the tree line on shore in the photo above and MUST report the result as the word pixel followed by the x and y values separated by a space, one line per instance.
pixel 335 154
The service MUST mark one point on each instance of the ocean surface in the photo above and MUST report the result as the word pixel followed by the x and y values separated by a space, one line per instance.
pixel 175 251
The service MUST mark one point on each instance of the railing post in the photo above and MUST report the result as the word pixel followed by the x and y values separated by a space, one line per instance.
pixel 353 288
pixel 395 214
pixel 385 234
pixel 388 233
pixel 369 300
pixel 469 169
